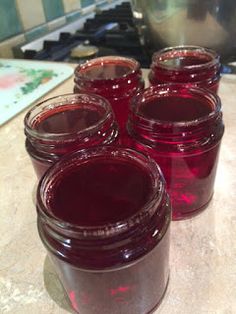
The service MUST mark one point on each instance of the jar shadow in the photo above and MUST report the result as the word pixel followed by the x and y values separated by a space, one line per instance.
pixel 54 287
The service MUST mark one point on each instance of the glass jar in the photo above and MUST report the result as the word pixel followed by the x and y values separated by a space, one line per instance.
pixel 104 217
pixel 115 78
pixel 192 65
pixel 181 128
pixel 67 123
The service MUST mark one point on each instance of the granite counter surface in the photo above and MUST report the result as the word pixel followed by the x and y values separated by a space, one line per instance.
pixel 203 249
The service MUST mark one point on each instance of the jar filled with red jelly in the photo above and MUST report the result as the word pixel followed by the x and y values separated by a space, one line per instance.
pixel 115 78
pixel 181 128
pixel 192 65
pixel 67 123
pixel 104 218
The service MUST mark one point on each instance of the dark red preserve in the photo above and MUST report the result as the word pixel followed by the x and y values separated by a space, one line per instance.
pixel 115 78
pixel 192 65
pixel 67 123
pixel 104 217
pixel 181 128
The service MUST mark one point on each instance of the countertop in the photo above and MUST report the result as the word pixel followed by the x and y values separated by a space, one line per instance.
pixel 203 249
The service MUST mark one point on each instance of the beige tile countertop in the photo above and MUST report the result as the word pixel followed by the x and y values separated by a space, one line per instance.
pixel 203 249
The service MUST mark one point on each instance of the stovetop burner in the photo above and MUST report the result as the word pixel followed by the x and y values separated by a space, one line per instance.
pixel 112 31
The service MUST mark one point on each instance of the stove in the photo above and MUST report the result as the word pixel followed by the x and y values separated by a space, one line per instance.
pixel 109 32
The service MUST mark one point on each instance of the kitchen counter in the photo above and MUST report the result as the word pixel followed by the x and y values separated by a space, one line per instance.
pixel 203 249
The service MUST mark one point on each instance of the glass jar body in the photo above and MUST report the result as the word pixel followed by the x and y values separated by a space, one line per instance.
pixel 117 79
pixel 67 123
pixel 187 153
pixel 191 65
pixel 189 177
pixel 92 292
pixel 125 264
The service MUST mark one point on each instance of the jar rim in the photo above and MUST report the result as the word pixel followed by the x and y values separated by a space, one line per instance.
pixel 60 101
pixel 173 89
pixel 157 57
pixel 131 62
pixel 109 229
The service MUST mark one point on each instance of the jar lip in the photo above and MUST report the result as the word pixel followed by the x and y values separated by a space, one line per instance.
pixel 60 101
pixel 173 89
pixel 109 229
pixel 131 62
pixel 157 57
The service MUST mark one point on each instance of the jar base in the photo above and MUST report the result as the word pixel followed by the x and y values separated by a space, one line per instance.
pixel 149 312
pixel 188 215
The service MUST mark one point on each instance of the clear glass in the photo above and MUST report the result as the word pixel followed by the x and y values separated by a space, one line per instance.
pixel 122 262
pixel 181 128
pixel 115 78
pixel 67 123
pixel 192 65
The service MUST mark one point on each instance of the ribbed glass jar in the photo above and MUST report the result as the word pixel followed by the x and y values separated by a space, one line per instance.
pixel 67 123
pixel 192 65
pixel 115 78
pixel 181 128
pixel 104 217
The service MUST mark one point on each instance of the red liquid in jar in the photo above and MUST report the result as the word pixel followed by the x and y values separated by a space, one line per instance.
pixel 67 123
pixel 70 120
pixel 106 270
pixel 175 109
pixel 115 78
pixel 122 189
pixel 190 65
pixel 187 153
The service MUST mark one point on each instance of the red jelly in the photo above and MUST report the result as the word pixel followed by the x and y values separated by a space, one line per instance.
pixel 115 78
pixel 67 123
pixel 192 65
pixel 181 128
pixel 104 216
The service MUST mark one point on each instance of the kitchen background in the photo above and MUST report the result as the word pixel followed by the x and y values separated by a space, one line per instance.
pixel 22 21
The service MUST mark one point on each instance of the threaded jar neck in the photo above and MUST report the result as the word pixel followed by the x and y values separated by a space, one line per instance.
pixel 203 128
pixel 170 58
pixel 111 244
pixel 64 122
pixel 186 64
pixel 110 76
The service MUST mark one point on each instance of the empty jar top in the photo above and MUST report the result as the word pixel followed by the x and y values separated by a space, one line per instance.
pixel 107 68
pixel 185 58
pixel 112 163
pixel 67 116
pixel 173 104
pixel 176 118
